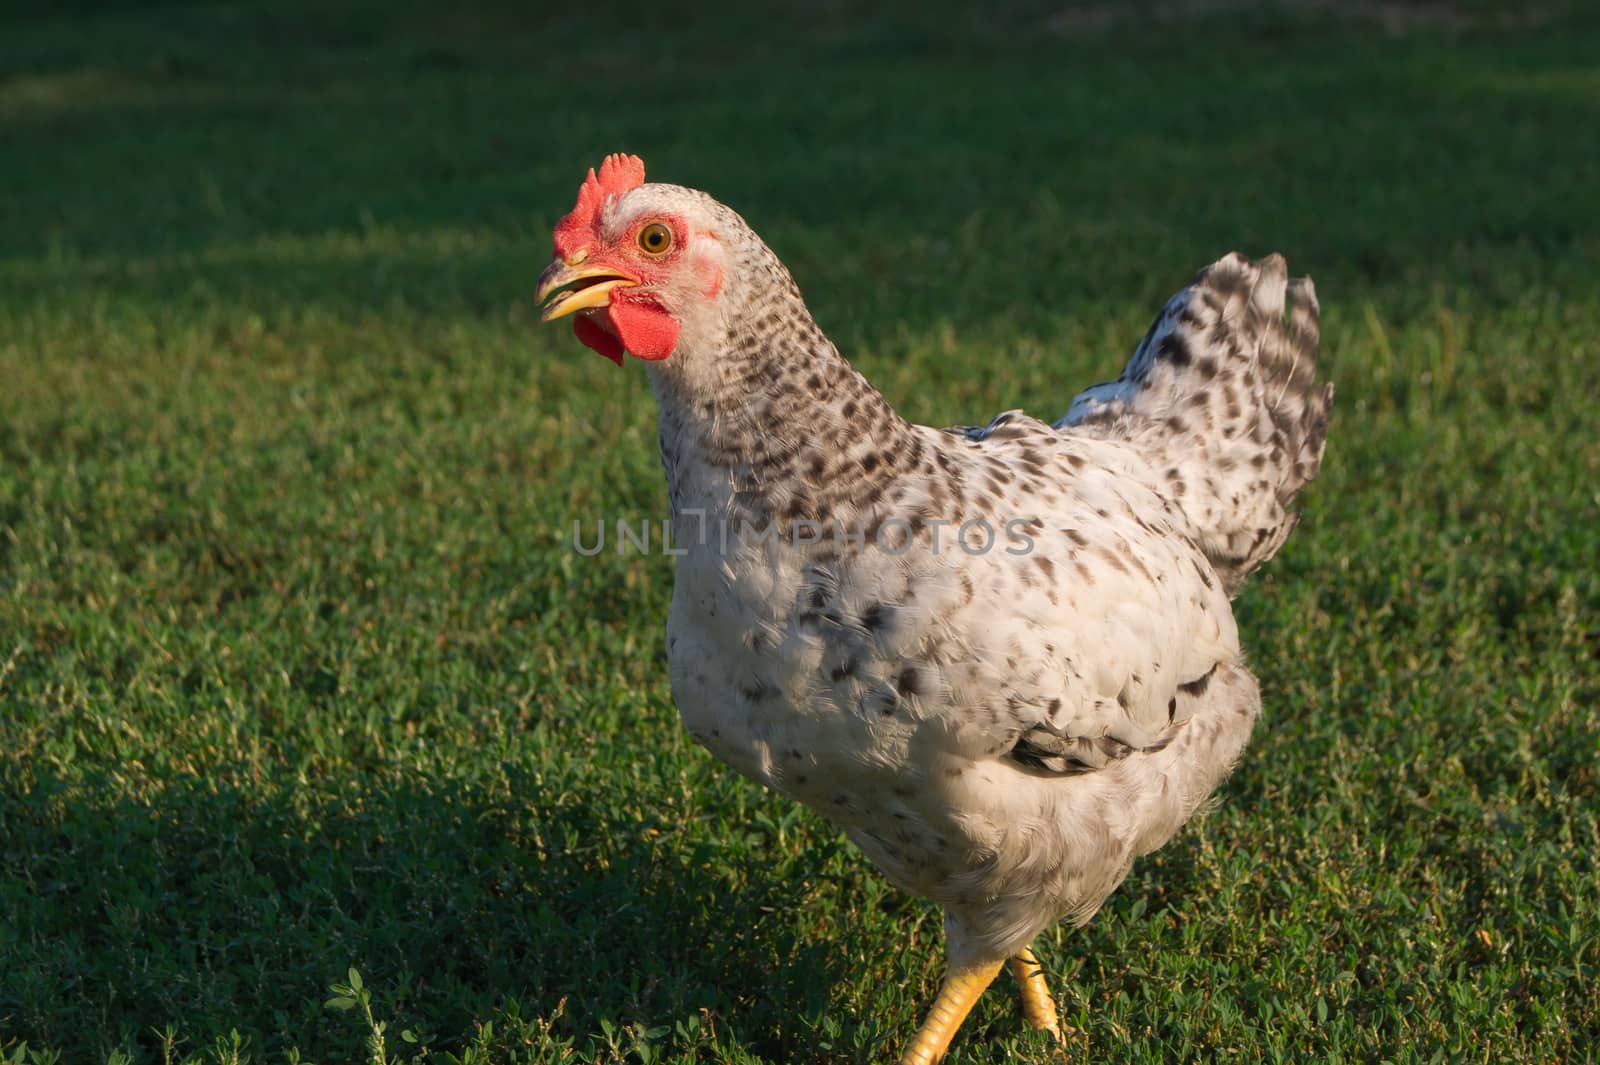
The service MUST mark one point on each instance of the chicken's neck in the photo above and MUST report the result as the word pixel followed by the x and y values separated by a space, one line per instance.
pixel 775 426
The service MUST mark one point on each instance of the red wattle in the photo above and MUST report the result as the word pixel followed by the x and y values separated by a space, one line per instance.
pixel 597 338
pixel 646 330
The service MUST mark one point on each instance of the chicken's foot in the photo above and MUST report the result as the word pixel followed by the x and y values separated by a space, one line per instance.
pixel 1037 1005
pixel 956 998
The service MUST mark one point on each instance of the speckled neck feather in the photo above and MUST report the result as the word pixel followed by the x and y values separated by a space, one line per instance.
pixel 773 411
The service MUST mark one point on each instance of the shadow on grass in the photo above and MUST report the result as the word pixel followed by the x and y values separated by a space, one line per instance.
pixel 242 901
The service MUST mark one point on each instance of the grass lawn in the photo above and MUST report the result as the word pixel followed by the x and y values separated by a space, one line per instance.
pixel 298 673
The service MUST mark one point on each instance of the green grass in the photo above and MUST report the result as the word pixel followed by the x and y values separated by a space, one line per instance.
pixel 297 674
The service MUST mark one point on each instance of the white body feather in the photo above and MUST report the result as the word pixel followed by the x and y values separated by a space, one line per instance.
pixel 796 673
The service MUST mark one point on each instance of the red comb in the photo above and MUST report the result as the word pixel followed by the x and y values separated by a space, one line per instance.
pixel 618 174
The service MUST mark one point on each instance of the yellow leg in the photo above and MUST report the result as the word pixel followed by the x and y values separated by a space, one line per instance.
pixel 1037 1005
pixel 961 989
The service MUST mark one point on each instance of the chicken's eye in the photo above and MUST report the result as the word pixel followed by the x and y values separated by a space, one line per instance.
pixel 655 239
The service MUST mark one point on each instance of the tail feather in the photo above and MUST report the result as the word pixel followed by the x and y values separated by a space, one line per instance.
pixel 1222 397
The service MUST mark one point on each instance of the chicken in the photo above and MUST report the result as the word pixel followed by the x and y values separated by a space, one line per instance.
pixel 1002 660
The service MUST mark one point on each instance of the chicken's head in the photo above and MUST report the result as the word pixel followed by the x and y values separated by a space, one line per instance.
pixel 636 263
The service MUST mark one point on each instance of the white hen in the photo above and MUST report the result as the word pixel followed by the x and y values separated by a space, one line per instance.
pixel 1002 660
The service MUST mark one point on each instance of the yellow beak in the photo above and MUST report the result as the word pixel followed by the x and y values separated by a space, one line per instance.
pixel 565 286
